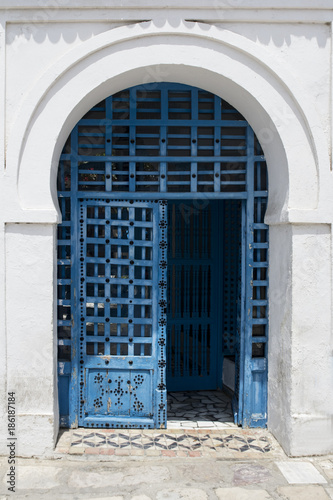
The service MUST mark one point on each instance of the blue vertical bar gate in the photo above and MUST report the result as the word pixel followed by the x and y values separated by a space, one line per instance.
pixel 194 312
pixel 162 258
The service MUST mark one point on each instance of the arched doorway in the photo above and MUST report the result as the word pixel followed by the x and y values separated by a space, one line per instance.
pixel 150 164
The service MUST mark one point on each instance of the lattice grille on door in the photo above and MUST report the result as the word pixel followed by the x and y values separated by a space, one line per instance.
pixel 173 139
pixel 118 256
pixel 259 256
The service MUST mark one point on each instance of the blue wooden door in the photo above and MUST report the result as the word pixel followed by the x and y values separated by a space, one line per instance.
pixel 121 313
pixel 194 300
pixel 250 401
pixel 155 142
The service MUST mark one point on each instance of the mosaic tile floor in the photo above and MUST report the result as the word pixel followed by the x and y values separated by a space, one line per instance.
pixel 199 409
pixel 172 443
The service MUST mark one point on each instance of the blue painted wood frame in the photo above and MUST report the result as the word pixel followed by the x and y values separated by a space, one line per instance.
pixel 252 397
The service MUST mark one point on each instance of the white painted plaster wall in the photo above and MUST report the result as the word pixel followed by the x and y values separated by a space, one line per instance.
pixel 300 367
pixel 35 48
pixel 279 345
pixel 312 342
pixel 302 49
pixel 31 349
pixel 265 58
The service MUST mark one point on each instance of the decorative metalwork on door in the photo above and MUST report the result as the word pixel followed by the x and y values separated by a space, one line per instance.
pixel 122 254
pixel 172 142
pixel 193 295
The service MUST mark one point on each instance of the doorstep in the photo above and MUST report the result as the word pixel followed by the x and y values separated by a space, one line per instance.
pixel 194 443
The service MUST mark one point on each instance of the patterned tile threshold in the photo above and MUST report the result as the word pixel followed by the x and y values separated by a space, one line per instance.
pixel 200 424
pixel 170 443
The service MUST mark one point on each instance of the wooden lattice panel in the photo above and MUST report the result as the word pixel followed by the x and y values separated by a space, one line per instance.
pixel 171 139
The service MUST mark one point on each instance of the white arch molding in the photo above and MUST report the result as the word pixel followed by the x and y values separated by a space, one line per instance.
pixel 243 74
pixel 222 62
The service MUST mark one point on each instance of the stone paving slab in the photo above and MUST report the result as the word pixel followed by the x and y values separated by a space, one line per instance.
pixel 300 472
pixel 241 494
pixel 90 478
pixel 181 494
pixel 303 493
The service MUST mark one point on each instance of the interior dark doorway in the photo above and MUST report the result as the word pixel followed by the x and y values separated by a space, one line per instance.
pixel 204 240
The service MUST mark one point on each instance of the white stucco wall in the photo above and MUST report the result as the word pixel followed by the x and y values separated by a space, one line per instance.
pixel 269 60
pixel 300 406
pixel 31 363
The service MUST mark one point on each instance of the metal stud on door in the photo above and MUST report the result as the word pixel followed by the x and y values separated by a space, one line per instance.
pixel 122 284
